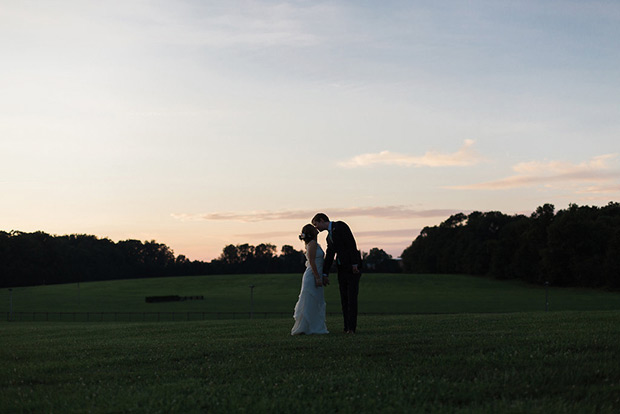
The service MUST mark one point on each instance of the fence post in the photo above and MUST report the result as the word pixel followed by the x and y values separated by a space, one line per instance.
pixel 252 301
pixel 10 304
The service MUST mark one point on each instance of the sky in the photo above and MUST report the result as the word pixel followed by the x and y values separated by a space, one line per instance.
pixel 200 124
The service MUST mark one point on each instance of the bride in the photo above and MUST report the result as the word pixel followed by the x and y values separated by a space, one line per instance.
pixel 310 308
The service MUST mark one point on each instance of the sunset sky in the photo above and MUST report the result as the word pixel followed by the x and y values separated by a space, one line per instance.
pixel 204 123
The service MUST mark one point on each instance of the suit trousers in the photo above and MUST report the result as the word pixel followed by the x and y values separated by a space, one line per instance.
pixel 349 284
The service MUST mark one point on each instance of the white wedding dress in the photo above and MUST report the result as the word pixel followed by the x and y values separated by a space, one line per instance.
pixel 310 308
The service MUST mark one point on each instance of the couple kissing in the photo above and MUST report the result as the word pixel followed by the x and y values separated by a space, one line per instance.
pixel 309 312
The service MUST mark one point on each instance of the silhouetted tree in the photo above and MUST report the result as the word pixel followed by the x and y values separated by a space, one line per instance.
pixel 377 260
pixel 230 255
pixel 291 260
pixel 579 246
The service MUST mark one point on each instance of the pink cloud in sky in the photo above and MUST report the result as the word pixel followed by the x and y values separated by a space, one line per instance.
pixel 600 189
pixel 389 233
pixel 385 212
pixel 465 156
pixel 596 171
pixel 400 233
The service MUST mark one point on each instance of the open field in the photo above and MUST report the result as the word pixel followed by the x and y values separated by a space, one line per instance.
pixel 379 293
pixel 489 347
pixel 555 362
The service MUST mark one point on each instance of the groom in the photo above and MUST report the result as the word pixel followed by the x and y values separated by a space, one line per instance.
pixel 341 243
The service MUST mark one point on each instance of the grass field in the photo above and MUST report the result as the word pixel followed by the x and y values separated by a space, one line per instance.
pixel 555 362
pixel 379 293
pixel 473 357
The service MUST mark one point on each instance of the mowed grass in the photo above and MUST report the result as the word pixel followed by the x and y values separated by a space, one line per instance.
pixel 477 345
pixel 530 362
pixel 379 293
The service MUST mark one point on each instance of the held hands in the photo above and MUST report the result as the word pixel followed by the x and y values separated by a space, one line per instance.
pixel 325 281
pixel 318 282
pixel 355 269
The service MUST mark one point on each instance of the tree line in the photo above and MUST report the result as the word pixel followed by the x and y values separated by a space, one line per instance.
pixel 38 258
pixel 578 246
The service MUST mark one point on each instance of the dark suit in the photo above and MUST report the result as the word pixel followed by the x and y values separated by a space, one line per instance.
pixel 341 244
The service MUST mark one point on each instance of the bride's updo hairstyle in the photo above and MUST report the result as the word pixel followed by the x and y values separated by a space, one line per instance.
pixel 308 233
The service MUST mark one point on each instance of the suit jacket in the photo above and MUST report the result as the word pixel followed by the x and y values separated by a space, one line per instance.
pixel 343 246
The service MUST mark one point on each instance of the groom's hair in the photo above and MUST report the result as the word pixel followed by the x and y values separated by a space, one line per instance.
pixel 320 217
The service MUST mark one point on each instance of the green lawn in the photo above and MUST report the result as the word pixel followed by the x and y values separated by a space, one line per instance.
pixel 530 362
pixel 475 345
pixel 379 293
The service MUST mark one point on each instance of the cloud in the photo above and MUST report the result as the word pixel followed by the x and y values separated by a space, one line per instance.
pixel 382 234
pixel 600 189
pixel 597 170
pixel 266 235
pixel 260 24
pixel 465 156
pixel 257 24
pixel 563 168
pixel 407 233
pixel 385 212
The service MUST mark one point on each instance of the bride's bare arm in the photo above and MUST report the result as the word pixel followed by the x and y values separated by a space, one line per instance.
pixel 311 247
